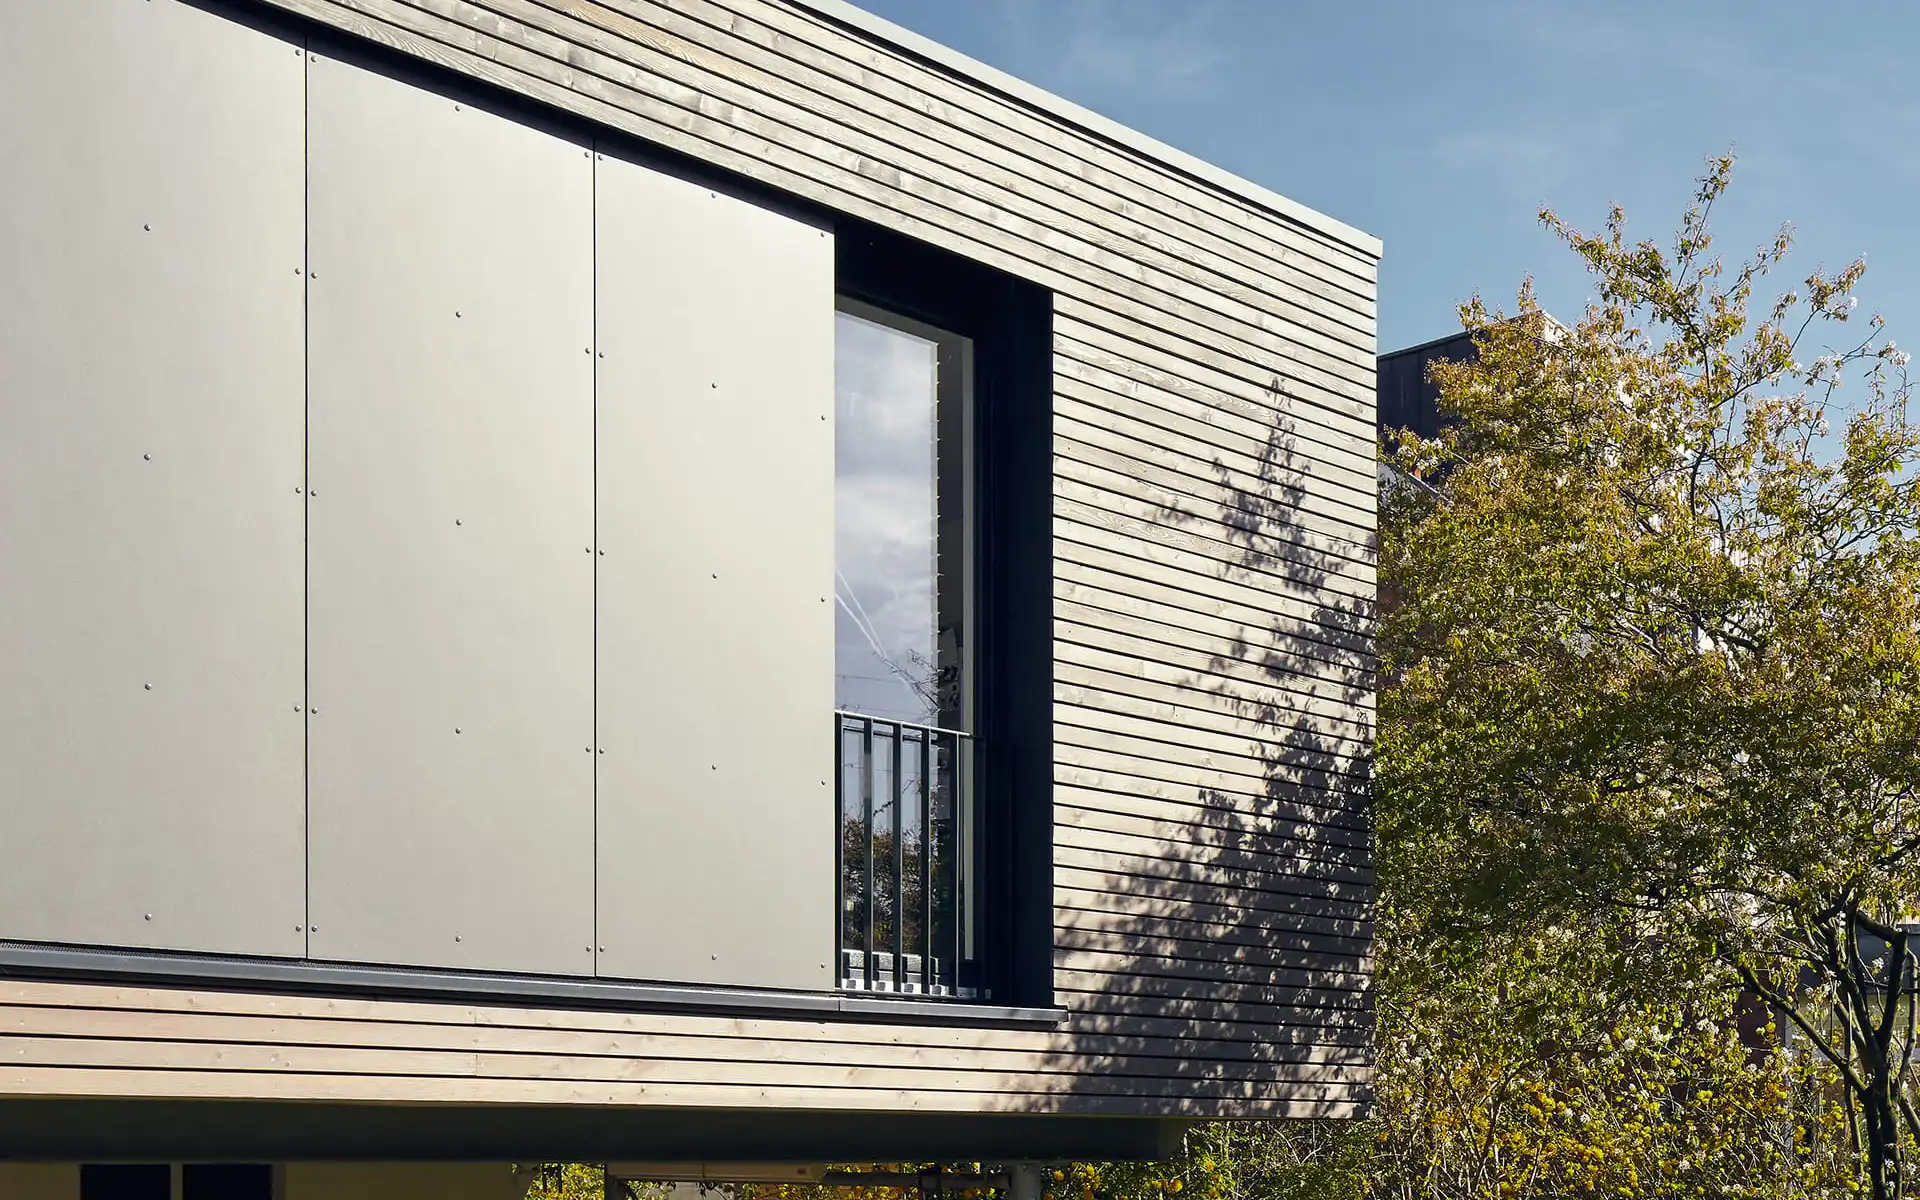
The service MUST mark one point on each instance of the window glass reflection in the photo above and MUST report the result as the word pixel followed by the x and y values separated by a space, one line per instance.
pixel 899 541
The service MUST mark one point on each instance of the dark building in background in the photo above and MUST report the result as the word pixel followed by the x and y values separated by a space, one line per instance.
pixel 1407 400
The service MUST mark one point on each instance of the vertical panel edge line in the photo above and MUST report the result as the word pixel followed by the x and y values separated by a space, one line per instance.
pixel 306 508
pixel 593 561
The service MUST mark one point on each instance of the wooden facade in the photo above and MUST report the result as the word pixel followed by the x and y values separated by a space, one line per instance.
pixel 1212 522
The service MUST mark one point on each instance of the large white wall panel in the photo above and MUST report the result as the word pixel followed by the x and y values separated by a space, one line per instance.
pixel 450 523
pixel 150 461
pixel 715 633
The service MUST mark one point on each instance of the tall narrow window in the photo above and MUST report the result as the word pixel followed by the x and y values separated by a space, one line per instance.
pixel 903 666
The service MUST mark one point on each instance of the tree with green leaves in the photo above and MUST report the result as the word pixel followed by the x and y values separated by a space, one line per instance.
pixel 1654 664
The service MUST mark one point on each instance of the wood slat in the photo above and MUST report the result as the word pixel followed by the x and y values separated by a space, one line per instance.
pixel 1316 825
pixel 1186 568
pixel 1197 489
pixel 1283 841
pixel 1271 717
pixel 1093 372
pixel 1107 770
pixel 1287 857
pixel 175 1083
pixel 1183 367
pixel 1113 179
pixel 1124 584
pixel 1268 460
pixel 544 1052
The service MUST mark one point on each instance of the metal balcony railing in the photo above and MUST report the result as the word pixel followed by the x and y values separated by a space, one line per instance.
pixel 903 894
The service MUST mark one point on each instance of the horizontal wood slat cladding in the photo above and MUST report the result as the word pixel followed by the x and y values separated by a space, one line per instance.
pixel 1213 524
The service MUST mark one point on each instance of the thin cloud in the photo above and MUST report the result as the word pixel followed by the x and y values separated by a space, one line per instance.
pixel 1140 50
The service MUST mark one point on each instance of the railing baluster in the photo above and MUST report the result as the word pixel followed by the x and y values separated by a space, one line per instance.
pixel 927 979
pixel 866 802
pixel 955 867
pixel 895 789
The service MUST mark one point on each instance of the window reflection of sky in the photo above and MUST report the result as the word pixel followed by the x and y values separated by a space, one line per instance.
pixel 885 626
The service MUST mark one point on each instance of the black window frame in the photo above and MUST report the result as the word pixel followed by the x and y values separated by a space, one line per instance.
pixel 1009 322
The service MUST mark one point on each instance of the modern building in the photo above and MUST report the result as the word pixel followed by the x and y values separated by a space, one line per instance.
pixel 659 581
pixel 1407 399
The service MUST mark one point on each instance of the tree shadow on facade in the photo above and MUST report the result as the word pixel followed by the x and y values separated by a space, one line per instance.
pixel 1231 974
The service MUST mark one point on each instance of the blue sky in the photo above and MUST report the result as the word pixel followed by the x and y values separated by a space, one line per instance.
pixel 1442 127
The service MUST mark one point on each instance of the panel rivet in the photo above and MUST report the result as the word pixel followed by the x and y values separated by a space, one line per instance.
pixel 314 711
pixel 147 686
pixel 296 708
pixel 603 354
pixel 713 766
pixel 297 491
pixel 313 491
pixel 456 729
pixel 603 554
pixel 149 916
pixel 296 929
pixel 456 520
pixel 603 949
pixel 148 228
pixel 603 749
pixel 589 749
pixel 456 937
pixel 148 457
pixel 716 574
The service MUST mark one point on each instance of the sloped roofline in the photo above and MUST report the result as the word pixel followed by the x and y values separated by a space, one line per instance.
pixel 955 63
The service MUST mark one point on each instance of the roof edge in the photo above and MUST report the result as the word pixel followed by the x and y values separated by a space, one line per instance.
pixel 1429 344
pixel 842 12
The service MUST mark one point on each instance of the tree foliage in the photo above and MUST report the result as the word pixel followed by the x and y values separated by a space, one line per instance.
pixel 1655 662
